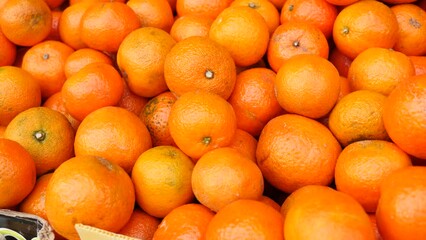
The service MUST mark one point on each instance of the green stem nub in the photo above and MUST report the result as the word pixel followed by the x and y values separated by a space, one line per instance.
pixel 207 140
pixel 46 56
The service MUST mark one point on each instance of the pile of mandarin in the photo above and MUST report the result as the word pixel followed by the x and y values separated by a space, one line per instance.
pixel 216 119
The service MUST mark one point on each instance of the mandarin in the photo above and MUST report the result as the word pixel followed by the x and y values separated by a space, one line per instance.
pixel 189 26
pixel 401 210
pixel 243 32
pixel 319 13
pixel 358 116
pixel 294 151
pixel 113 133
pixel 45 61
pixel 153 13
pixel 404 116
pixel 199 63
pixel 294 38
pixel 318 211
pixel 363 165
pixel 187 221
pixel 131 101
pixel 265 8
pixel 155 115
pixel 7 51
pixel 412 30
pixel 246 219
pixel 74 192
pixel 95 86
pixel 224 175
pixel 46 134
pixel 141 225
pixel 25 22
pixel 83 57
pixel 34 203
pixel 162 180
pixel 104 25
pixel 254 100
pixel 245 143
pixel 56 102
pixel 379 70
pixel 308 85
pixel 201 121
pixel 206 8
pixel 18 173
pixel 364 24
pixel 19 91
pixel 69 24
pixel 141 58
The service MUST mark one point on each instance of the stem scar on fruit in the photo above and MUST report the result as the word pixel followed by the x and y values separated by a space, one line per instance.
pixel 206 140
pixel 39 135
pixel 209 74
pixel 296 43
pixel 345 30
pixel 252 5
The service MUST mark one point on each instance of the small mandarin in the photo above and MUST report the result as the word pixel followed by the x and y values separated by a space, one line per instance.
pixel 78 91
pixel 19 91
pixel 187 221
pixel 265 8
pixel 155 115
pixel 224 175
pixel 140 225
pixel 18 173
pixel 308 85
pixel 162 180
pixel 358 116
pixel 189 26
pixel 124 136
pixel 246 219
pixel 412 30
pixel 141 58
pixel 364 24
pixel 25 22
pixel 45 61
pixel 104 25
pixel 243 32
pixel 201 121
pixel 363 165
pixel 294 38
pixel 294 151
pixel 199 63
pixel 379 70
pixel 46 134
pixel 318 210
pixel 401 209
pixel 254 100
pixel 74 192
pixel 153 13
pixel 404 116
pixel 319 13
